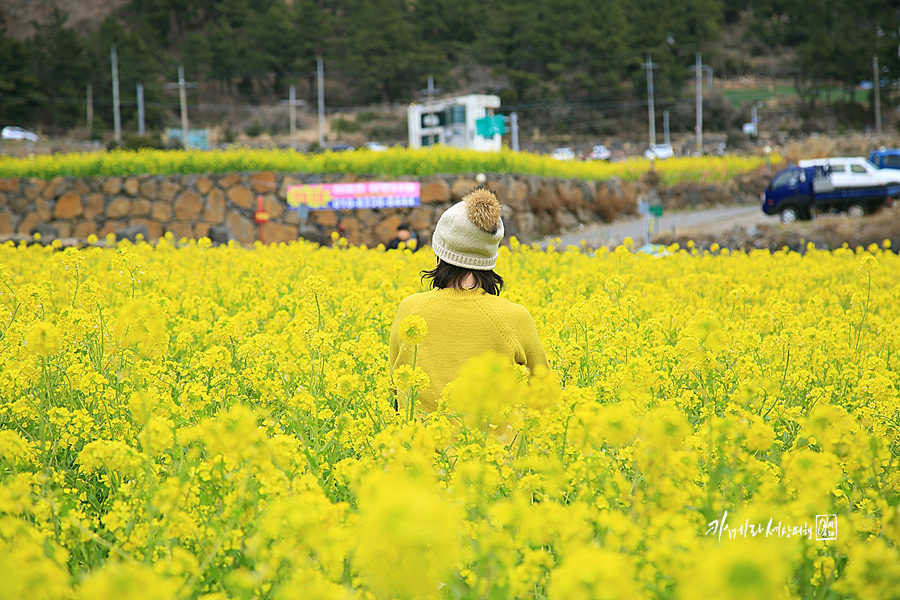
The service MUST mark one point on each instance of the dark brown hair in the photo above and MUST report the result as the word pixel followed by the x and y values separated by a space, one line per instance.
pixel 445 275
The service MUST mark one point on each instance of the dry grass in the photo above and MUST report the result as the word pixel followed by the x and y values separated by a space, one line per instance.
pixel 834 231
pixel 22 14
pixel 851 145
pixel 612 203
pixel 809 148
pixel 827 232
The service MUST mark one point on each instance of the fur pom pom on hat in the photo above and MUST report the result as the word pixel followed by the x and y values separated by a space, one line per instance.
pixel 468 233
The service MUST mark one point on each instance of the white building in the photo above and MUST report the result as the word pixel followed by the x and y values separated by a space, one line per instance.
pixel 451 122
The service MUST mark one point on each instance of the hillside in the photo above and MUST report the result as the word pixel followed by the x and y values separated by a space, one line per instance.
pixel 20 16
pixel 576 72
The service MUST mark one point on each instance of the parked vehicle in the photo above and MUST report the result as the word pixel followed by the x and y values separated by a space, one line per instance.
pixel 599 152
pixel 11 132
pixel 797 192
pixel 563 154
pixel 375 146
pixel 885 159
pixel 856 171
pixel 659 151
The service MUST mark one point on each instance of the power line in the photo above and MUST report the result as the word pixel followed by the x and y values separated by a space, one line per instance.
pixel 549 104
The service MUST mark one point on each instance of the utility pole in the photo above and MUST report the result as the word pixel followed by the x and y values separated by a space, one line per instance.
pixel 876 88
pixel 182 86
pixel 293 113
pixel 430 100
pixel 90 108
pixel 320 78
pixel 182 97
pixel 666 127
pixel 140 100
pixel 754 117
pixel 650 65
pixel 698 67
pixel 293 103
pixel 514 126
pixel 117 116
pixel 429 119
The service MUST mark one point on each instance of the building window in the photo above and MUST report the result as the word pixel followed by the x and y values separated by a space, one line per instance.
pixel 434 119
pixel 457 113
pixel 430 140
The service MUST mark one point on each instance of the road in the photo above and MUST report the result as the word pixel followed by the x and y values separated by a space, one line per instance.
pixel 713 220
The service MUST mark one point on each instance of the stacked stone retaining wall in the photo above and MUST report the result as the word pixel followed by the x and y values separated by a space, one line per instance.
pixel 188 205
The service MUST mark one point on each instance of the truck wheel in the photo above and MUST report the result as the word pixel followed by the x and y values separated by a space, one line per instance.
pixel 856 210
pixel 789 214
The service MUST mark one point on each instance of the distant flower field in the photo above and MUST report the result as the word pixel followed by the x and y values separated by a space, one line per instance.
pixel 393 162
pixel 217 422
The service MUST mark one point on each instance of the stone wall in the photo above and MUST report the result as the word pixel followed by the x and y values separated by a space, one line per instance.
pixel 188 205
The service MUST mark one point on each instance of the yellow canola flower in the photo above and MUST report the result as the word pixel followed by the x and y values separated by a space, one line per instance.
pixel 31 567
pixel 486 384
pixel 759 436
pixel 408 538
pixel 223 419
pixel 413 330
pixel 44 339
pixel 873 570
pixel 157 436
pixel 406 377
pixel 394 162
pixel 613 424
pixel 738 570
pixel 14 449
pixel 595 574
pixel 127 581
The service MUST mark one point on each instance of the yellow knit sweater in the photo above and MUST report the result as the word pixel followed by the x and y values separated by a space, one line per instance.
pixel 463 323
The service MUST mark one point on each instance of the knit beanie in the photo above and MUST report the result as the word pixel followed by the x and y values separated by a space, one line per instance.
pixel 468 233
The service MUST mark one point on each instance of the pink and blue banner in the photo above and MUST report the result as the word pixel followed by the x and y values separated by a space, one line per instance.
pixel 353 196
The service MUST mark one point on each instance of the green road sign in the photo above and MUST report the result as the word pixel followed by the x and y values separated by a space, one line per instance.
pixel 491 126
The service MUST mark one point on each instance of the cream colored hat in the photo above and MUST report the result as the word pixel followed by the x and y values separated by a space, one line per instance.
pixel 468 233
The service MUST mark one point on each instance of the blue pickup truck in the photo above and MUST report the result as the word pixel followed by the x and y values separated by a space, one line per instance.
pixel 799 192
pixel 885 159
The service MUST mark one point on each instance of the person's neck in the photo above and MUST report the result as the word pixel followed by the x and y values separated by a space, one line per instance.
pixel 467 283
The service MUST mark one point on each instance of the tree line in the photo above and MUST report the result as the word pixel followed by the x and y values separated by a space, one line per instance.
pixel 526 51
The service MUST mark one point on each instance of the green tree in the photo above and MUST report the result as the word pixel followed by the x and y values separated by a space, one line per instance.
pixel 62 69
pixel 834 40
pixel 526 38
pixel 282 42
pixel 18 84
pixel 247 42
pixel 229 50
pixel 166 22
pixel 376 42
pixel 456 26
pixel 595 43
pixel 673 33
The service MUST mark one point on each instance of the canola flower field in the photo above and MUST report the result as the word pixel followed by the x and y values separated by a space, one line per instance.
pixel 392 162
pixel 217 422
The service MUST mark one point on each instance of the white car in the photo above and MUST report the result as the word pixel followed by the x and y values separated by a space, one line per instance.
pixel 563 154
pixel 659 151
pixel 11 132
pixel 854 172
pixel 600 152
pixel 374 146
